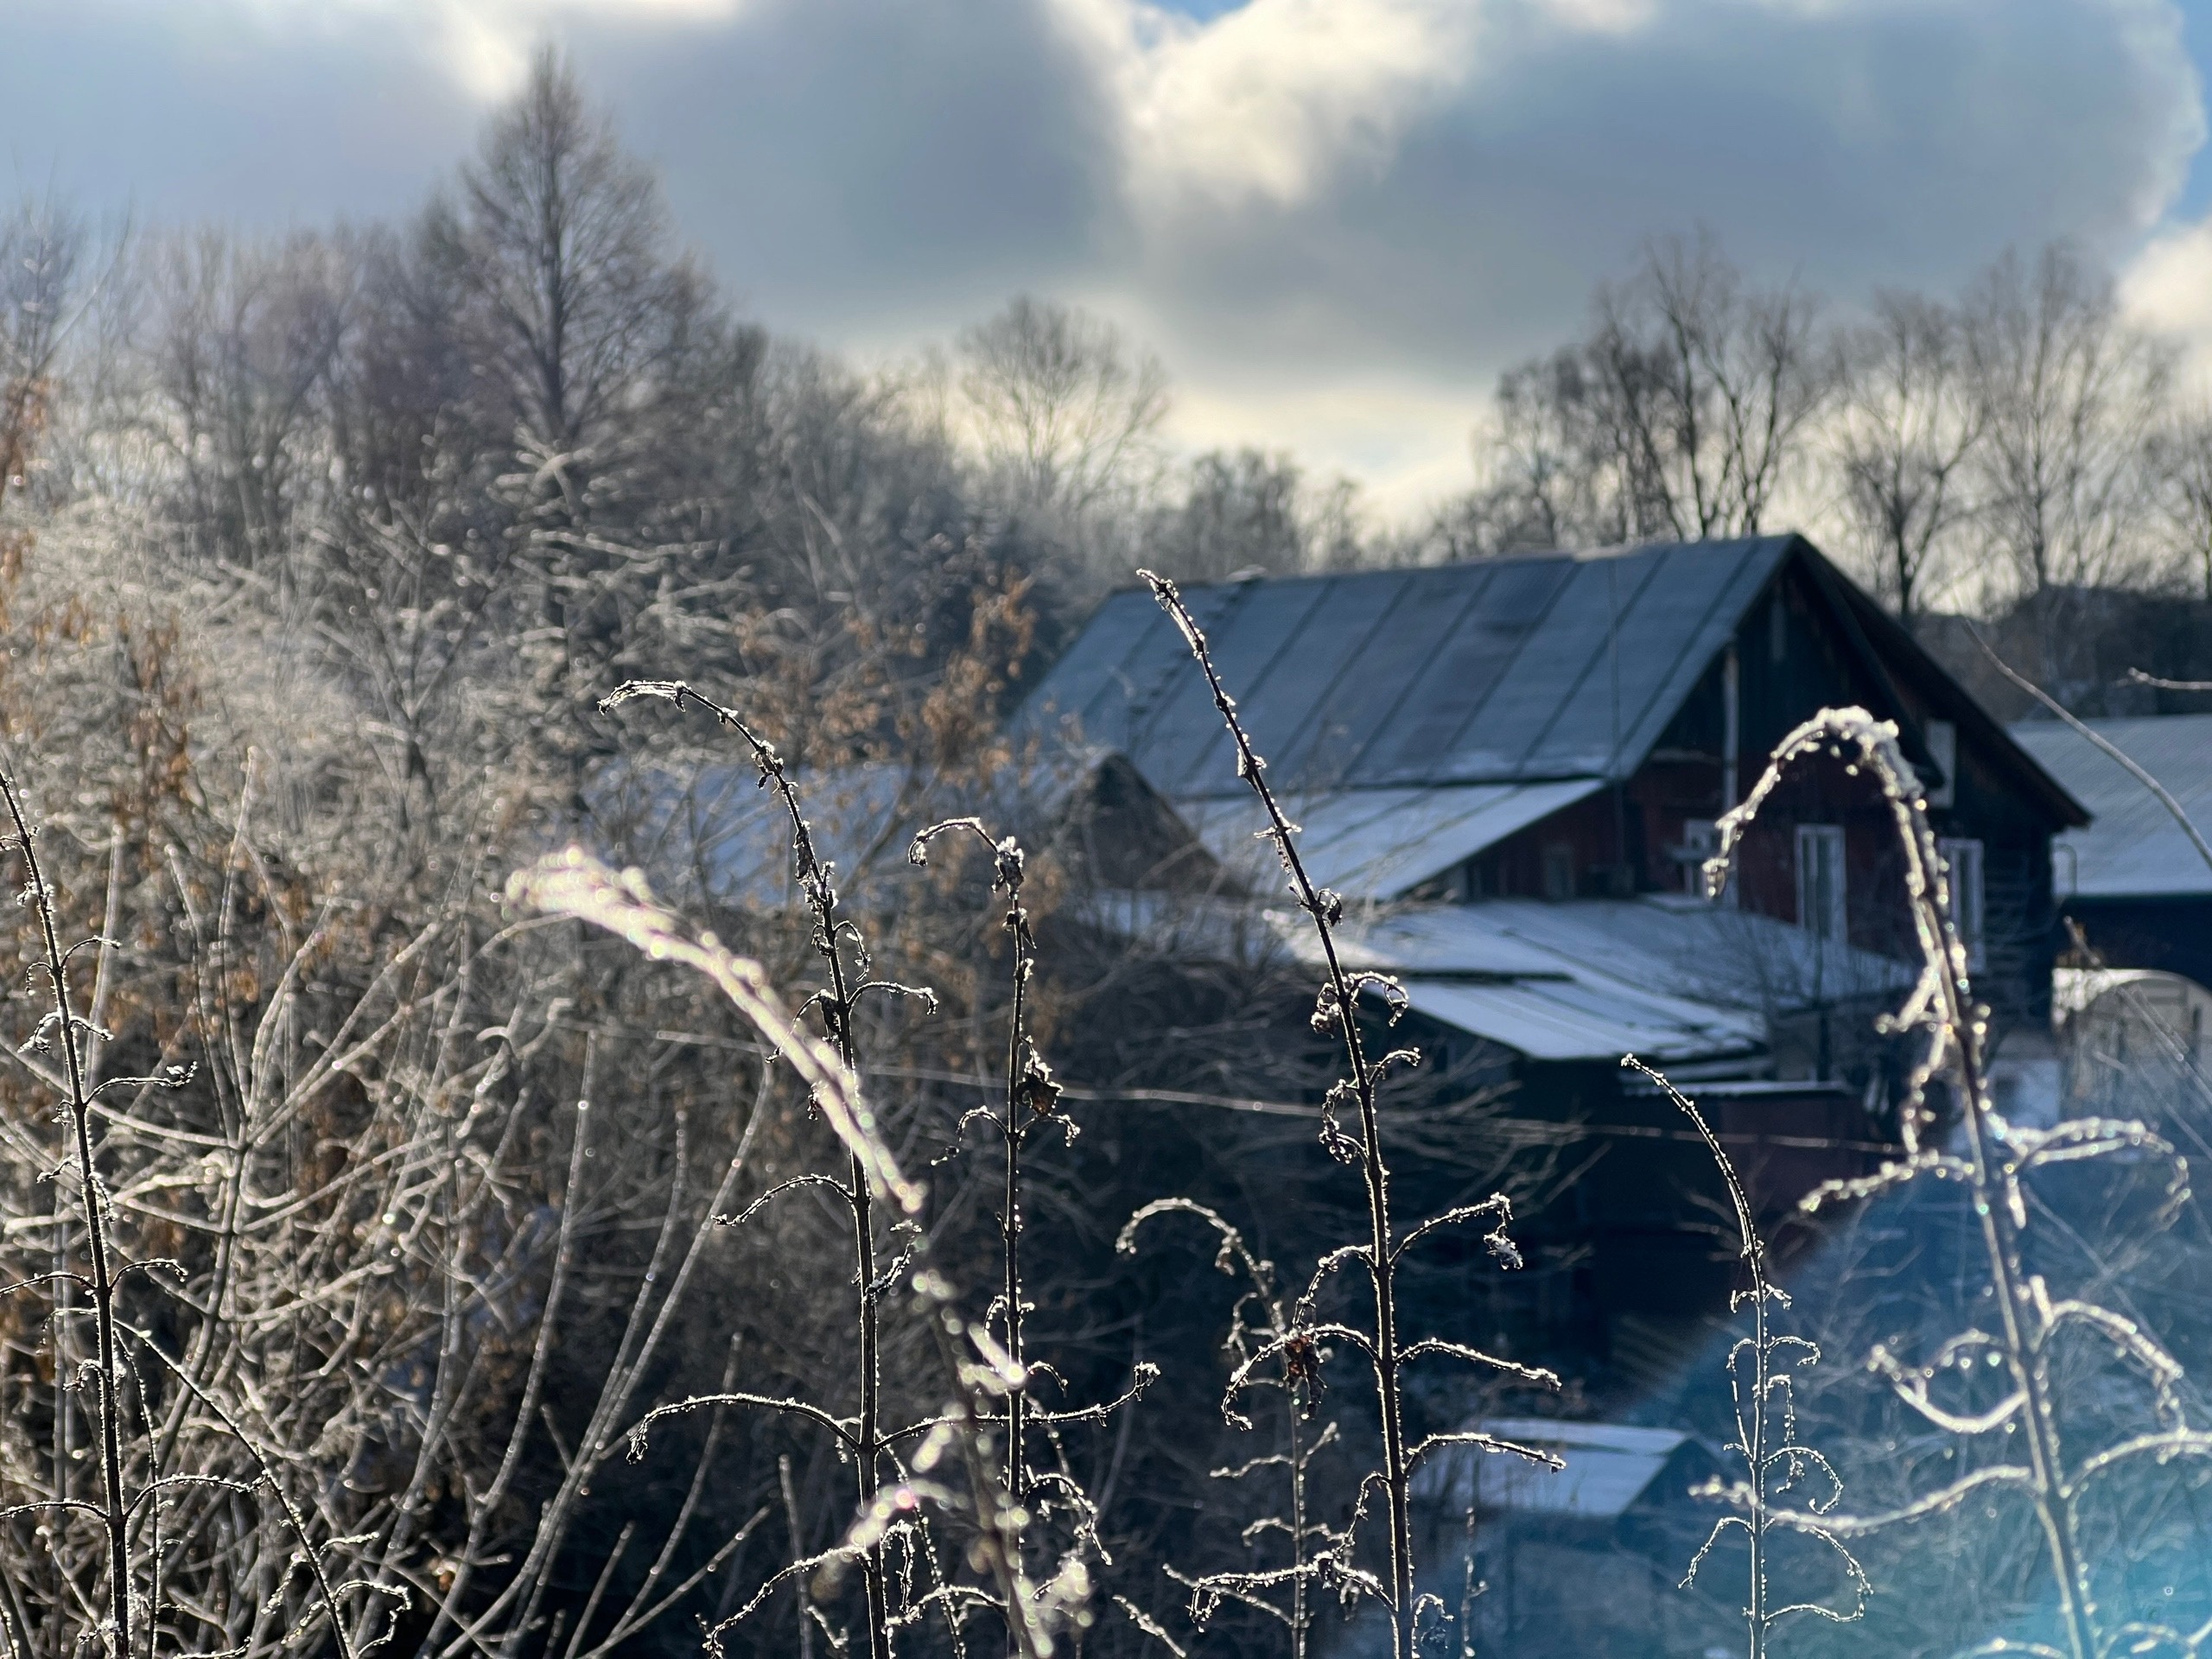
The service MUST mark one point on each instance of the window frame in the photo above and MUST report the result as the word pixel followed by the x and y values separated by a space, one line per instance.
pixel 1967 856
pixel 1831 920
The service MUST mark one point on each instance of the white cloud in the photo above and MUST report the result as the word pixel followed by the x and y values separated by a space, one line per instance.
pixel 484 45
pixel 2168 287
pixel 1269 100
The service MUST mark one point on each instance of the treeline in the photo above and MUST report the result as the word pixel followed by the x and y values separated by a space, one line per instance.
pixel 1976 452
pixel 527 415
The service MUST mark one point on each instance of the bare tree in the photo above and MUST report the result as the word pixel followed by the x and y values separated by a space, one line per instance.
pixel 595 355
pixel 1682 414
pixel 1906 429
pixel 42 252
pixel 2181 471
pixel 1707 388
pixel 1067 410
pixel 245 334
pixel 1242 512
pixel 2067 393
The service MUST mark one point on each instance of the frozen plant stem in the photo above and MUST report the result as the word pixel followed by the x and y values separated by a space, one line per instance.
pixel 1031 1095
pixel 113 1511
pixel 1996 1157
pixel 1337 1013
pixel 1774 1462
pixel 1234 1256
pixel 836 1004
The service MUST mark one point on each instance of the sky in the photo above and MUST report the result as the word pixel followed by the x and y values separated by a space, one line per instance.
pixel 1336 220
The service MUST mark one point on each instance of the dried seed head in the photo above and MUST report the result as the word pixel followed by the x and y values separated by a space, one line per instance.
pixel 1034 1086
pixel 1301 1363
pixel 1327 1012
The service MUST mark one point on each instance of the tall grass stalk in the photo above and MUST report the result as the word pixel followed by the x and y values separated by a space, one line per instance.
pixel 1763 1388
pixel 1388 1354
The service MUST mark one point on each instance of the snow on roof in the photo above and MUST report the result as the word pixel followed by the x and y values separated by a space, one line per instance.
pixel 1610 1468
pixel 717 824
pixel 2132 846
pixel 1668 977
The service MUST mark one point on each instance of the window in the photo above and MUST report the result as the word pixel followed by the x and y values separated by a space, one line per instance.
pixel 1943 750
pixel 1559 870
pixel 1700 841
pixel 1819 879
pixel 1962 861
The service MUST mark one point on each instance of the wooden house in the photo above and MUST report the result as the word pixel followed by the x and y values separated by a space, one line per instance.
pixel 1563 727
pixel 1511 770
pixel 2133 879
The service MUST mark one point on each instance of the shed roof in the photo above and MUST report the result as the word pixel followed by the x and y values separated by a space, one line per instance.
pixel 1515 670
pixel 1584 981
pixel 2132 848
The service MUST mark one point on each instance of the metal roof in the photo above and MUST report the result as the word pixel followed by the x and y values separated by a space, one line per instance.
pixel 1575 1018
pixel 717 825
pixel 1515 670
pixel 1377 843
pixel 1610 1468
pixel 1580 981
pixel 2132 846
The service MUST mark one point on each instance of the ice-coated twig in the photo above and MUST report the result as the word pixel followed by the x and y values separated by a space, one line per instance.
pixel 1992 1160
pixel 1775 1461
pixel 830 1069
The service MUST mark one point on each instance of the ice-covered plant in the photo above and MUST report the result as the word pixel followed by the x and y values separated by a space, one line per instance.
pixel 1306 1344
pixel 1993 1159
pixel 1030 1104
pixel 1259 1318
pixel 1762 1384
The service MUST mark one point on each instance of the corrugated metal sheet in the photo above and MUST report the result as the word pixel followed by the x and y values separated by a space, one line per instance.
pixel 1610 1468
pixel 1591 979
pixel 1587 1019
pixel 1532 668
pixel 1378 843
pixel 1664 976
pixel 2132 846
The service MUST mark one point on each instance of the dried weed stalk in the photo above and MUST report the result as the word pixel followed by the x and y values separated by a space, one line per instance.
pixel 829 1070
pixel 1302 1348
pixel 1763 1385
pixel 1993 1159
pixel 1030 1103
pixel 1257 1319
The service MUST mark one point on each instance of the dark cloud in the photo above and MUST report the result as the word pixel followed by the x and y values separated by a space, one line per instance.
pixel 1850 145
pixel 878 170
pixel 860 165
pixel 184 111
